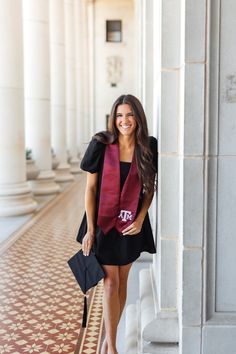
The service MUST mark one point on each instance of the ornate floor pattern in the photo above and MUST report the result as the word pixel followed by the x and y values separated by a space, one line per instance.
pixel 90 337
pixel 40 302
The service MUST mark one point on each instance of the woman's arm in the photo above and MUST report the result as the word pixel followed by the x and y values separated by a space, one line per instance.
pixel 136 226
pixel 90 208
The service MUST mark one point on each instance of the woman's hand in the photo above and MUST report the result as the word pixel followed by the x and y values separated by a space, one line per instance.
pixel 87 243
pixel 134 228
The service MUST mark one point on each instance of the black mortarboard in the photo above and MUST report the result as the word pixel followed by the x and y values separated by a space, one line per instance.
pixel 88 272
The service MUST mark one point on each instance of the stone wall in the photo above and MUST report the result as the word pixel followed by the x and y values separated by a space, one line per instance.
pixel 114 63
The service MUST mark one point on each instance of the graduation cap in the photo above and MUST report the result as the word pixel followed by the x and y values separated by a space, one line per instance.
pixel 88 272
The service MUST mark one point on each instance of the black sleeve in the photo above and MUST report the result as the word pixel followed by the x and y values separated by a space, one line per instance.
pixel 154 149
pixel 93 157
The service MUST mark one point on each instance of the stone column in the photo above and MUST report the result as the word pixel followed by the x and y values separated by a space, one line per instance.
pixel 58 112
pixel 159 308
pixel 165 268
pixel 70 85
pixel 90 29
pixel 143 53
pixel 37 93
pixel 209 172
pixel 138 49
pixel 148 23
pixel 193 176
pixel 15 196
pixel 80 73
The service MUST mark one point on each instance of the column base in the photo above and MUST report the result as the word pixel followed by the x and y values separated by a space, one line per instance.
pixel 63 173
pixel 44 184
pixel 160 327
pixel 32 170
pixel 75 169
pixel 149 331
pixel 160 348
pixel 16 199
pixel 133 342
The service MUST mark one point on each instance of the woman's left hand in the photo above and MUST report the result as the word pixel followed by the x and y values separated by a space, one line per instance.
pixel 134 228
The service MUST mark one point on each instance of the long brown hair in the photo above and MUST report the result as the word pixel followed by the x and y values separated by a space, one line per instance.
pixel 143 153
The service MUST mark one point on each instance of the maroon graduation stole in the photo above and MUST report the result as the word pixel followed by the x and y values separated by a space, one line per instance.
pixel 117 209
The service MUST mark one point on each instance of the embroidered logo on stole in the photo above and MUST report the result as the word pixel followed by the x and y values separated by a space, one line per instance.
pixel 125 215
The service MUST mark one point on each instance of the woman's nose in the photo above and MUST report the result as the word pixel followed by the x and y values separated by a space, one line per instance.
pixel 125 119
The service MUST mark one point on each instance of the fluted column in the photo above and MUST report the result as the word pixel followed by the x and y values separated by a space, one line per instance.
pixel 80 82
pixel 90 29
pixel 138 47
pixel 82 75
pixel 70 85
pixel 58 118
pixel 15 196
pixel 159 316
pixel 37 93
pixel 79 73
pixel 167 85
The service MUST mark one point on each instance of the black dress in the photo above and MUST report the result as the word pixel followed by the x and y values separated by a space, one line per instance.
pixel 114 248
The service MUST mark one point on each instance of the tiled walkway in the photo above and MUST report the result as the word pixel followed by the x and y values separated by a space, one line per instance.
pixel 40 302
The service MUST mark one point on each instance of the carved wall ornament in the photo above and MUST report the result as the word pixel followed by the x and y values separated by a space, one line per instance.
pixel 230 88
pixel 114 69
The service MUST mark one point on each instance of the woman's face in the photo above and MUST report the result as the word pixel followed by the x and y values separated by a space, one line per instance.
pixel 125 120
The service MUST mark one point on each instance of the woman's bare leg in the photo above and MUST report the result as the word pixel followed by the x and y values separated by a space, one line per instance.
pixel 123 279
pixel 123 272
pixel 111 306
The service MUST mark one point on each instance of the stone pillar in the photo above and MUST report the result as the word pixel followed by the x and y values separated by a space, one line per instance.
pixel 142 32
pixel 70 85
pixel 15 196
pixel 90 29
pixel 58 112
pixel 209 172
pixel 138 49
pixel 158 286
pixel 82 75
pixel 37 93
pixel 192 175
pixel 165 262
pixel 148 22
pixel 81 112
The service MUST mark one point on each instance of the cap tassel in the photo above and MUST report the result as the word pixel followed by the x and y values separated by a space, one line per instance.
pixel 85 313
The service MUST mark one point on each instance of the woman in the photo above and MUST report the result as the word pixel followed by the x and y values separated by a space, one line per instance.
pixel 121 165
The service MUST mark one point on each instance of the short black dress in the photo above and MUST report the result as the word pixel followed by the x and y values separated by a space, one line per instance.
pixel 114 248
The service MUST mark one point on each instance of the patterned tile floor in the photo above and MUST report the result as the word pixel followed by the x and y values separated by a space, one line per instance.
pixel 40 303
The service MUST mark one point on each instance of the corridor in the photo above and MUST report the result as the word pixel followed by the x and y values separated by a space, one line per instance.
pixel 63 64
pixel 40 303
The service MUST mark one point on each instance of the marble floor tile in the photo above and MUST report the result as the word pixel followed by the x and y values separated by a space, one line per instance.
pixel 40 302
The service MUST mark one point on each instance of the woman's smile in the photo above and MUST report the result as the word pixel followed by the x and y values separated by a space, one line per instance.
pixel 125 126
